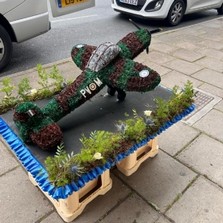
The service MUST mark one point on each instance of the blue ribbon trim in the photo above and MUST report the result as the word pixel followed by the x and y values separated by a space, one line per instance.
pixel 39 173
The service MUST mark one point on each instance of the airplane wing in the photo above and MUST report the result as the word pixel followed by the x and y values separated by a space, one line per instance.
pixel 134 43
pixel 129 46
pixel 132 76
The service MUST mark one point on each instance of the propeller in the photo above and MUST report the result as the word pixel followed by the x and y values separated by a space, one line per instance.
pixel 150 31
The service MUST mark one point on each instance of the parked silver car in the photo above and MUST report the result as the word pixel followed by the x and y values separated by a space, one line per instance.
pixel 24 19
pixel 171 10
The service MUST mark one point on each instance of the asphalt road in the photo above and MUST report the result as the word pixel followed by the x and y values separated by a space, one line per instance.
pixel 91 26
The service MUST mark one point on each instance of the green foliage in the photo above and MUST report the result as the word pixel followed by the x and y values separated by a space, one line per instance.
pixel 57 77
pixel 132 129
pixel 100 146
pixel 7 88
pixel 23 89
pixel 51 82
pixel 62 168
pixel 99 142
pixel 167 110
pixel 44 81
pixel 162 111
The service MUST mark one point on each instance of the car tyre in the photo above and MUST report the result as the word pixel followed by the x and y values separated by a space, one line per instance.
pixel 5 47
pixel 176 13
pixel 220 10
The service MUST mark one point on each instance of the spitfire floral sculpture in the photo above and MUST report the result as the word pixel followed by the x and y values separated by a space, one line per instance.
pixel 108 64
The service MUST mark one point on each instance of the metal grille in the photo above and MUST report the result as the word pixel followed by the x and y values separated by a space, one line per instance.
pixel 204 102
pixel 134 7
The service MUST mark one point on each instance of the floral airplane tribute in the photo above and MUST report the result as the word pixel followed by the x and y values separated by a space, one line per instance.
pixel 108 64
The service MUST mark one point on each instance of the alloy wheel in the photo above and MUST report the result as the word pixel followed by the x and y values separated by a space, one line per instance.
pixel 177 13
pixel 2 49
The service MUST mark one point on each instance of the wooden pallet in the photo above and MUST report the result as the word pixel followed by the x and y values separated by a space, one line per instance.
pixel 71 207
pixel 131 163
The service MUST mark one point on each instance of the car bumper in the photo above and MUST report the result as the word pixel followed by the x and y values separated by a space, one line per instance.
pixel 159 14
pixel 31 26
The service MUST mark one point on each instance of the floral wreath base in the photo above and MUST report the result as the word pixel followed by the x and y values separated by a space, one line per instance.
pixel 99 176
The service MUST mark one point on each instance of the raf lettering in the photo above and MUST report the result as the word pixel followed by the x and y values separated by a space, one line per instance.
pixel 91 87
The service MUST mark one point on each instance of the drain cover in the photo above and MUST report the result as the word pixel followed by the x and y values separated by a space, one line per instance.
pixel 204 102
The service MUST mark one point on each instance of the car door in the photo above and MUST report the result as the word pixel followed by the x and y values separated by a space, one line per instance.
pixel 63 7
pixel 196 5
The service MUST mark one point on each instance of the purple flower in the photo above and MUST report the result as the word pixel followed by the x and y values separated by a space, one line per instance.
pixel 74 169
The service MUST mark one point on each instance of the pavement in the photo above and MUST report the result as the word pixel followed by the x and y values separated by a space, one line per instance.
pixel 184 182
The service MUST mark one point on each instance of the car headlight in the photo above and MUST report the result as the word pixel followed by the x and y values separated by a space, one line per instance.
pixel 154 5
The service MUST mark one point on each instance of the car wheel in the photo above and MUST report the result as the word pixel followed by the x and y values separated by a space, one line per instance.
pixel 220 10
pixel 5 47
pixel 176 13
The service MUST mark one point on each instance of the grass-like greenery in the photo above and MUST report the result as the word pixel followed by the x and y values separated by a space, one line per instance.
pixel 50 83
pixel 101 146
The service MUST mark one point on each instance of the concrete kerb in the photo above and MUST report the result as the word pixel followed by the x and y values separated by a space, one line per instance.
pixel 183 28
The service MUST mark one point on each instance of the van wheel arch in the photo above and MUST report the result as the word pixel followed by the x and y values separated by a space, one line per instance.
pixel 5 47
pixel 220 10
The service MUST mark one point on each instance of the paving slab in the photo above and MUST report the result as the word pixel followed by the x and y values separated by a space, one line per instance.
pixel 179 79
pixel 160 58
pixel 210 44
pixel 7 162
pixel 182 66
pixel 212 89
pixel 172 144
pixel 202 202
pixel 134 210
pixel 144 58
pixel 168 37
pixel 210 76
pixel 101 205
pixel 210 35
pixel 212 124
pixel 204 155
pixel 188 55
pixel 160 180
pixel 193 30
pixel 211 63
pixel 212 53
pixel 52 218
pixel 163 47
pixel 187 45
pixel 20 201
pixel 162 220
pixel 191 38
pixel 157 67
pixel 219 106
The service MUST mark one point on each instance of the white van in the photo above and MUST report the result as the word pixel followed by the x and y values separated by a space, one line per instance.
pixel 24 19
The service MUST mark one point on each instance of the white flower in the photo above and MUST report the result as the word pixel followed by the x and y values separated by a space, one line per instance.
pixel 33 91
pixel 147 113
pixel 179 92
pixel 98 156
